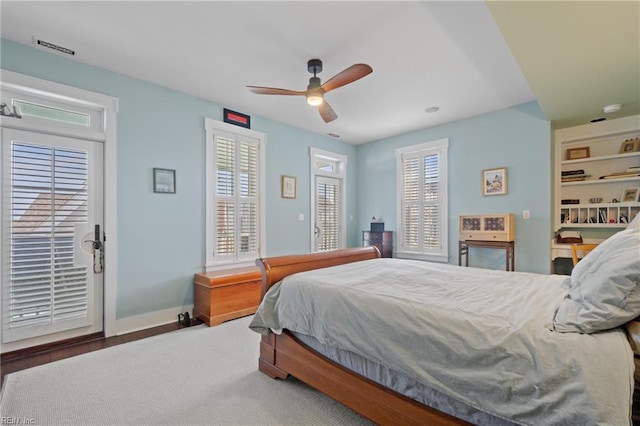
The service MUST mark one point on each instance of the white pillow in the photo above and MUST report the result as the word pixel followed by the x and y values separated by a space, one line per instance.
pixel 605 287
pixel 635 223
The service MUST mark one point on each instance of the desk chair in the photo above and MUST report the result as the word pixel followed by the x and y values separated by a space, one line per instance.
pixel 581 248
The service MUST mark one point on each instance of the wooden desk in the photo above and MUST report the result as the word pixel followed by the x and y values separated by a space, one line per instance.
pixel 508 246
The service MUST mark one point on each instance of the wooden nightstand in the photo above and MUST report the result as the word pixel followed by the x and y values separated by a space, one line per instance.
pixel 228 294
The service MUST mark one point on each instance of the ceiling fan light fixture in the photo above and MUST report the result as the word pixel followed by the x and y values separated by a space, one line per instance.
pixel 315 97
pixel 314 100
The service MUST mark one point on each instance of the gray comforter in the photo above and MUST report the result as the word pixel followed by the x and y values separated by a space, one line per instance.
pixel 476 335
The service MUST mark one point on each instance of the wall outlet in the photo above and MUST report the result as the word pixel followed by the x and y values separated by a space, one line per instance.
pixel 301 217
pixel 526 214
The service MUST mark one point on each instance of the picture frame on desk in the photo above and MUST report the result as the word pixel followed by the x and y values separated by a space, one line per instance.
pixel 630 145
pixel 578 153
pixel 630 195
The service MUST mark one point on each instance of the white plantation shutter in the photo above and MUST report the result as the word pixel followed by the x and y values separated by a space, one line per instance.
pixel 328 213
pixel 236 198
pixel 225 196
pixel 422 189
pixel 48 199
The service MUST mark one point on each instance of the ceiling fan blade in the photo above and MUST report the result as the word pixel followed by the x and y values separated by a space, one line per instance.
pixel 273 91
pixel 349 75
pixel 326 112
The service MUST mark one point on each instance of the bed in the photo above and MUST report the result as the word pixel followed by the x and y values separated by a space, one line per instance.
pixel 409 342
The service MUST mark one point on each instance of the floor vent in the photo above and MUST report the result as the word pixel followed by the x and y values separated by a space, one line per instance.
pixel 53 46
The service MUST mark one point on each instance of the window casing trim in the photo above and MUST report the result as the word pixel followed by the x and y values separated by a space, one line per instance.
pixel 211 127
pixel 439 147
pixel 339 161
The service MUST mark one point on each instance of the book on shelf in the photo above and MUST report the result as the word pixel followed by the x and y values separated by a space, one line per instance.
pixel 574 178
pixel 620 175
pixel 572 172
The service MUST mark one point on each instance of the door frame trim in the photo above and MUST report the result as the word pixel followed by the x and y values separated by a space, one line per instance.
pixel 109 107
pixel 340 174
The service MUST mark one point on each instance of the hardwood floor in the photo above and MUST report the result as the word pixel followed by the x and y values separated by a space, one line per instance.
pixel 11 362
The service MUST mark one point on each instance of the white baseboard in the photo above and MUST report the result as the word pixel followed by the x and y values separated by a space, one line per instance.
pixel 152 319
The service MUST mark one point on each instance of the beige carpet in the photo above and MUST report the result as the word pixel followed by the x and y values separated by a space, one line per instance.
pixel 194 376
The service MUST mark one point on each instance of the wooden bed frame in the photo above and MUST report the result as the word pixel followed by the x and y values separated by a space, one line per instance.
pixel 283 355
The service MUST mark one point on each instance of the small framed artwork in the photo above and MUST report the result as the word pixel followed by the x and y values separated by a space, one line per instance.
pixel 164 181
pixel 578 153
pixel 630 145
pixel 288 187
pixel 630 195
pixel 494 181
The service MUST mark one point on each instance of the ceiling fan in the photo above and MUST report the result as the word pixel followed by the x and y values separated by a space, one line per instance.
pixel 315 91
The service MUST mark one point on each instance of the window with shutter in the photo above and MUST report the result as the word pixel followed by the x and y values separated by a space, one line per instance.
pixel 422 203
pixel 235 214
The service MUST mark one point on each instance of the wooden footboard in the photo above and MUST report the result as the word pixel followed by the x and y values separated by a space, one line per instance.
pixel 284 355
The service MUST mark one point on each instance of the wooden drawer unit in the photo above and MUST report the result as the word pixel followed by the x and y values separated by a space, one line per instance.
pixel 488 227
pixel 228 294
pixel 383 240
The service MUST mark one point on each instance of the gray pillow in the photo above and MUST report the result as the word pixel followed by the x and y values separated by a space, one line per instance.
pixel 604 290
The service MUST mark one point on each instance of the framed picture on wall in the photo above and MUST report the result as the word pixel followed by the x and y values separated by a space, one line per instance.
pixel 164 181
pixel 494 181
pixel 288 187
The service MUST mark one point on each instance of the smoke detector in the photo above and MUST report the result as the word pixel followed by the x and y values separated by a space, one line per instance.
pixel 612 108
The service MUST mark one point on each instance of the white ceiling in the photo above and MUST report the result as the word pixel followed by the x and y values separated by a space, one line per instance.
pixel 423 54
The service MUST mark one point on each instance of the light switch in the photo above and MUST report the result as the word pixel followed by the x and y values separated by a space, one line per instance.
pixel 526 214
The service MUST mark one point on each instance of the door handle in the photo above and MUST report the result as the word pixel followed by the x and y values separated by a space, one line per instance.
pixel 98 252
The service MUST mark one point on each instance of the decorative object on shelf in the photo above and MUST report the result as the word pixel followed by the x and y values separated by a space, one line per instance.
pixel 595 200
pixel 376 225
pixel 237 118
pixel 578 153
pixel 570 201
pixel 630 145
pixel 288 187
pixel 494 181
pixel 630 195
pixel 164 181
pixel 569 237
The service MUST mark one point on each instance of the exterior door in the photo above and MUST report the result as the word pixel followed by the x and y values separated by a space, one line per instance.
pixel 51 201
pixel 328 214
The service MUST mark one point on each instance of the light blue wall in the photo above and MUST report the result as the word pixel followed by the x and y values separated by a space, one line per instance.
pixel 518 138
pixel 161 236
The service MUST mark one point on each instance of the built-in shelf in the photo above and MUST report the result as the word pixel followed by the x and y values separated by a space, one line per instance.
pixel 601 158
pixel 601 181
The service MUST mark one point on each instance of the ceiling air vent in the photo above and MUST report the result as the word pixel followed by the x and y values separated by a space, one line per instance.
pixel 53 46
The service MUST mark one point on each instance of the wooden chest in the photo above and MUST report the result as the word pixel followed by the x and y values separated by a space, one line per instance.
pixel 228 294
